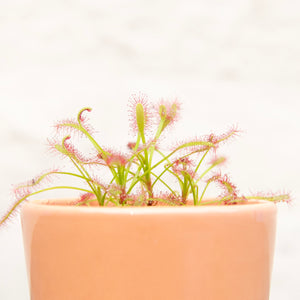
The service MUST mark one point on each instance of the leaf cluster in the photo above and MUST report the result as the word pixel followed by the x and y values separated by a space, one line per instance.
pixel 134 175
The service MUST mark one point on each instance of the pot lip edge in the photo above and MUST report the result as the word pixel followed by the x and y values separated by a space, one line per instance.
pixel 46 205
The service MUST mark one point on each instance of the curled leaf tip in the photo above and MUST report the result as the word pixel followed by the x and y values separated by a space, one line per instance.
pixel 80 116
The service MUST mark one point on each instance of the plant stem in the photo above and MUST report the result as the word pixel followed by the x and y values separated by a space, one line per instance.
pixel 204 190
pixel 35 193
pixel 200 162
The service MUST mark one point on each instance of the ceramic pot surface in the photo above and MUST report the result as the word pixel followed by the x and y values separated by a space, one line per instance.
pixel 149 253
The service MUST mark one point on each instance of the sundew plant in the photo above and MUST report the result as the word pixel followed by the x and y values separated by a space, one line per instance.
pixel 183 170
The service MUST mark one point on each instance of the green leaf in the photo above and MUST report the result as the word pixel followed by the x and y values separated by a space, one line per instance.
pixel 195 143
pixel 140 118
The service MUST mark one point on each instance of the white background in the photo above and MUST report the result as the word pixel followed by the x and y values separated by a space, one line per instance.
pixel 229 62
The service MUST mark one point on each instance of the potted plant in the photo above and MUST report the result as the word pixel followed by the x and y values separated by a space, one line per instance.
pixel 127 238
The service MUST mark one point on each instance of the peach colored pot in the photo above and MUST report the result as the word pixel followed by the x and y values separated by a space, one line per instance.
pixel 167 253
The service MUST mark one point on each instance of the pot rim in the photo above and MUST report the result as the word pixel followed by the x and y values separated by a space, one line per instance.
pixel 64 205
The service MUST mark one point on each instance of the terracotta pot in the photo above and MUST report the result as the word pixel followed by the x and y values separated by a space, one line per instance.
pixel 208 253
